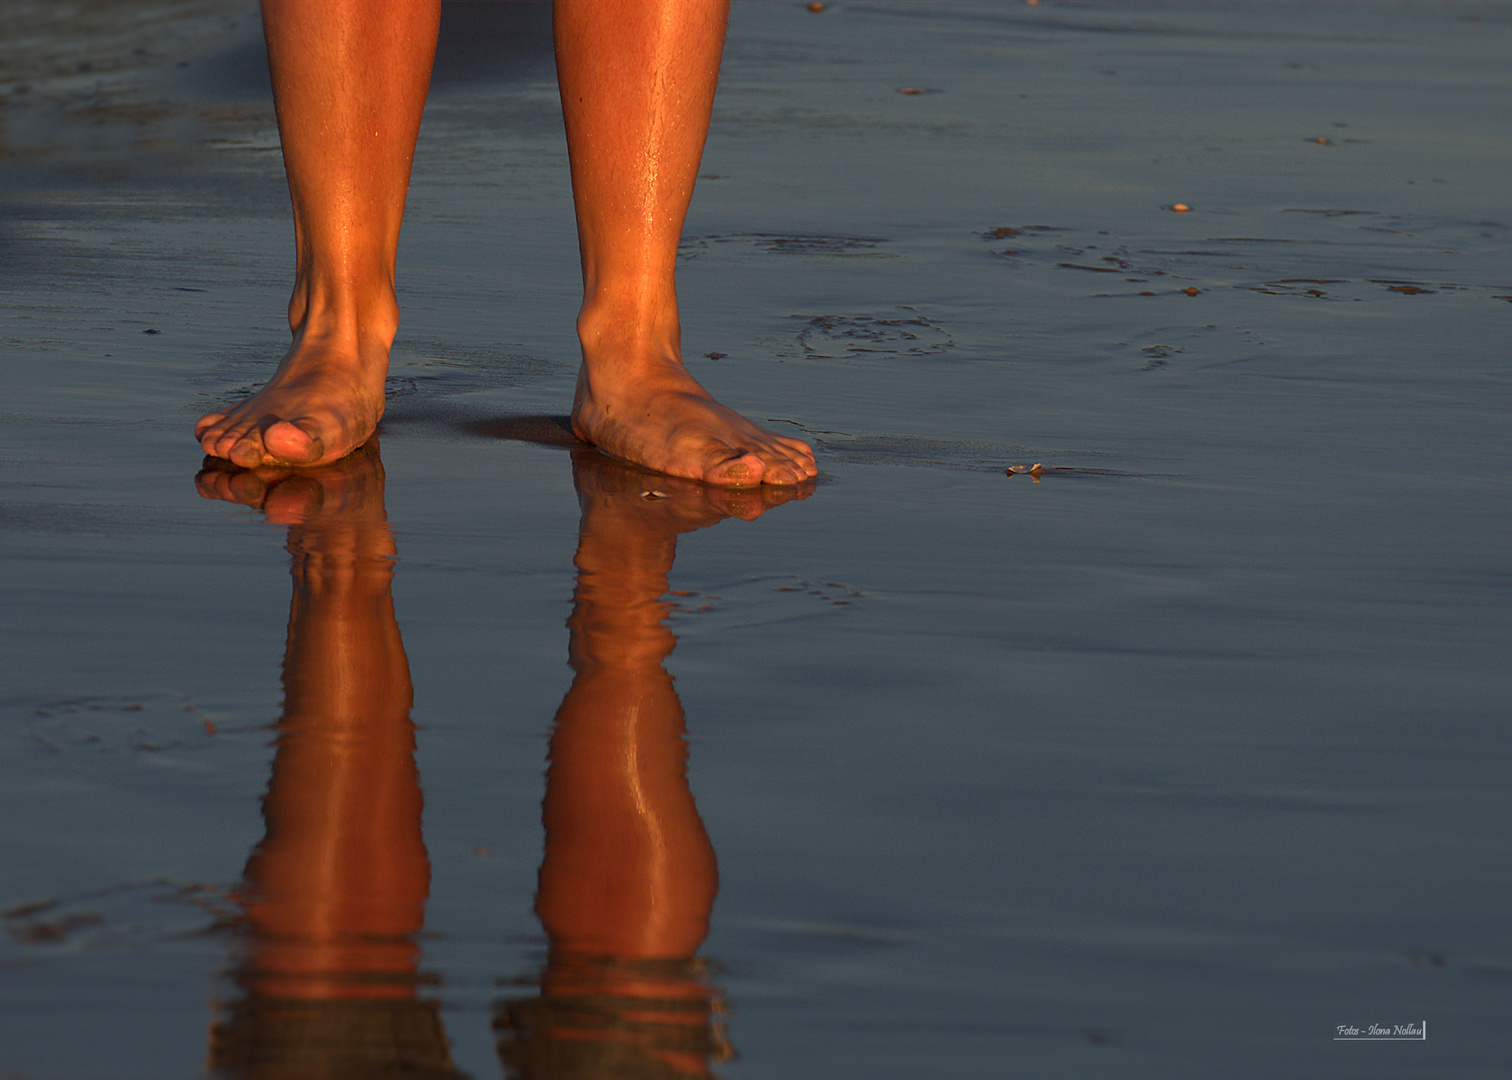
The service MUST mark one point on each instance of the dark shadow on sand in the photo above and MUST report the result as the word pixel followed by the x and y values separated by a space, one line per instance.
pixel 541 430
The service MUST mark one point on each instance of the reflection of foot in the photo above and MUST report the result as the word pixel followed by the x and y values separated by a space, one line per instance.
pixel 655 414
pixel 324 401
pixel 348 490
pixel 618 1016
pixel 648 504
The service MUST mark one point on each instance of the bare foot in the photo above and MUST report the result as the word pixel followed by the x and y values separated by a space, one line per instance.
pixel 323 402
pixel 642 406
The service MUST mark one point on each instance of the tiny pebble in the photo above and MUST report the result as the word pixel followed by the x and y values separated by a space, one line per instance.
pixel 816 7
pixel 1179 208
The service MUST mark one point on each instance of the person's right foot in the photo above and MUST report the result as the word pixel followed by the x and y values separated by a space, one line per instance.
pixel 323 402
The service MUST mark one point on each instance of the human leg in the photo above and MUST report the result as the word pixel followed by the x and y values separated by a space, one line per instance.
pixel 349 81
pixel 637 80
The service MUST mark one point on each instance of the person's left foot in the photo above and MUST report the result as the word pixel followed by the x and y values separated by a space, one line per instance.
pixel 653 413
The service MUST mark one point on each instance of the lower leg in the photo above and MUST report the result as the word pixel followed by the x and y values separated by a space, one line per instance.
pixel 637 80
pixel 349 81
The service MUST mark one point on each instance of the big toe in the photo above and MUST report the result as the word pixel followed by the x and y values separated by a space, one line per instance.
pixel 742 470
pixel 292 444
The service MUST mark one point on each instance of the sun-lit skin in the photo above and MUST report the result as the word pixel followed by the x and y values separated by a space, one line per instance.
pixel 637 81
pixel 350 82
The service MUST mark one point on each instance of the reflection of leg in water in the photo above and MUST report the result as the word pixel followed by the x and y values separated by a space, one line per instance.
pixel 628 879
pixel 335 892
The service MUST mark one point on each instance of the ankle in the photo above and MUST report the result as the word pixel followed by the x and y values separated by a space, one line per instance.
pixel 629 323
pixel 345 314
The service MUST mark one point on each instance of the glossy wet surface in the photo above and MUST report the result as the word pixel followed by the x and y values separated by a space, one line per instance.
pixel 1166 760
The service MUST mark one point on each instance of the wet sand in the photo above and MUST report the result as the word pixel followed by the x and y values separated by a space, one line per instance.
pixel 1167 761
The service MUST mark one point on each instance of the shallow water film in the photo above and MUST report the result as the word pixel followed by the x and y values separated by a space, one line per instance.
pixel 1128 697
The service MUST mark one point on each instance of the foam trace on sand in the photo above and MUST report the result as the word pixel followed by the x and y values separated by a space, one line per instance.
pixel 1322 254
pixel 852 336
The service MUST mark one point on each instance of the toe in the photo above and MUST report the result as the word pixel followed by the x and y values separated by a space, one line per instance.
pixel 796 456
pixel 246 451
pixel 788 469
pixel 204 426
pixel 741 470
pixel 293 443
pixel 220 440
pixel 210 440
